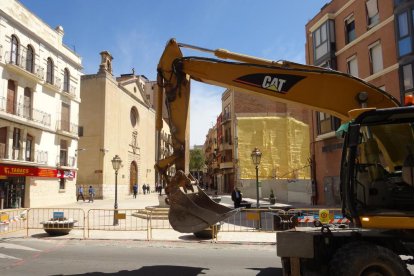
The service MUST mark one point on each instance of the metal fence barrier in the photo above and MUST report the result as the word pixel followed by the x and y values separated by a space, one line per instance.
pixel 249 220
pixel 157 219
pixel 12 220
pixel 59 220
pixel 56 220
pixel 117 220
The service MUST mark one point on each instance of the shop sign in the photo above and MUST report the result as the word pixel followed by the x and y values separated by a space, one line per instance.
pixel 33 171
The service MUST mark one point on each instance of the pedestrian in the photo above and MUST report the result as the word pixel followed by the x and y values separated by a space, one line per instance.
pixel 148 188
pixel 144 188
pixel 236 196
pixel 91 194
pixel 80 194
pixel 135 190
pixel 159 188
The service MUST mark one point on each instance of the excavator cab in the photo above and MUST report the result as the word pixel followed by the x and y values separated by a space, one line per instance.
pixel 379 167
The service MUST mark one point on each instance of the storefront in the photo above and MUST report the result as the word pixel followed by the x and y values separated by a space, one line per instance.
pixel 14 181
pixel 12 192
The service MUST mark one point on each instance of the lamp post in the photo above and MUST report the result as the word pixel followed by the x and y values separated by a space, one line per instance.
pixel 116 164
pixel 256 156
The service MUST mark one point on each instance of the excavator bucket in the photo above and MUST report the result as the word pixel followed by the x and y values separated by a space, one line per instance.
pixel 193 211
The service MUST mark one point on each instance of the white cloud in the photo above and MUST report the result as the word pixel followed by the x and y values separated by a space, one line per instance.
pixel 205 107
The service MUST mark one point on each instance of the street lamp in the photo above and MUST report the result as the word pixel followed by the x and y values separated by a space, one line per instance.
pixel 256 156
pixel 116 164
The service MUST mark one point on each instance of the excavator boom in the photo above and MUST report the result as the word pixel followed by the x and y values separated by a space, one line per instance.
pixel 318 88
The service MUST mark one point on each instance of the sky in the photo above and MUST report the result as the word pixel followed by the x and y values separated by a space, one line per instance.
pixel 135 32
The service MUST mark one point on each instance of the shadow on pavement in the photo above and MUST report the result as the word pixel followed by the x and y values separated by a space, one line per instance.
pixel 169 270
pixel 268 271
pixel 191 237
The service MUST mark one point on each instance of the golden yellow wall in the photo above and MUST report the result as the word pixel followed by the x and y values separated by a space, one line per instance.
pixel 284 143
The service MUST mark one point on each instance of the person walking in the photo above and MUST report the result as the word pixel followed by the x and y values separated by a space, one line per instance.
pixel 80 194
pixel 135 190
pixel 144 188
pixel 91 194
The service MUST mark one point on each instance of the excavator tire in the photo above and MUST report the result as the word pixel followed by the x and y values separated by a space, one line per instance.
pixel 365 259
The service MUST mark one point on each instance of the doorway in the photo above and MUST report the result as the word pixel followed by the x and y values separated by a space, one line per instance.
pixel 13 192
pixel 133 172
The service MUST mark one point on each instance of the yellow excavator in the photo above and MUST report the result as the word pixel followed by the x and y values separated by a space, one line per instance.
pixel 377 166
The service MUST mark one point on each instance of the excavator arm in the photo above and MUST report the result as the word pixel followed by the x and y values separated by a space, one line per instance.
pixel 318 88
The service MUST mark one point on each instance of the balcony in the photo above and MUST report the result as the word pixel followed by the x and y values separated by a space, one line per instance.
pixel 226 118
pixel 71 92
pixel 63 126
pixel 65 161
pixel 41 157
pixel 25 67
pixel 56 85
pixel 30 114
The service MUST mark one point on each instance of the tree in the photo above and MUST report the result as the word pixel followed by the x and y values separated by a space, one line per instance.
pixel 196 160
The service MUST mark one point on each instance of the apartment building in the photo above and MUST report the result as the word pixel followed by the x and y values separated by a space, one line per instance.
pixel 279 130
pixel 359 38
pixel 39 108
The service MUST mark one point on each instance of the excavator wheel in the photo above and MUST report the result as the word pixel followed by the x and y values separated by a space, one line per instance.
pixel 365 259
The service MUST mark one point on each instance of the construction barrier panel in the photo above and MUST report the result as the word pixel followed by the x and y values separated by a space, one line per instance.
pixel 12 220
pixel 308 217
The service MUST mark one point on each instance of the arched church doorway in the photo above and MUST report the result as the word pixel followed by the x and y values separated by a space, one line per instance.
pixel 133 175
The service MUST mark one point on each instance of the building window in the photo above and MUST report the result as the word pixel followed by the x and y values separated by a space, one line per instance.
pixel 3 141
pixel 350 29
pixel 16 138
pixel 407 71
pixel 352 63
pixel 326 123
pixel 14 53
pixel 320 38
pixel 27 104
pixel 403 34
pixel 226 114
pixel 11 97
pixel 66 80
pixel 30 59
pixel 63 157
pixel 29 147
pixel 49 71
pixel 62 183
pixel 375 57
pixel 134 116
pixel 372 13
pixel 65 116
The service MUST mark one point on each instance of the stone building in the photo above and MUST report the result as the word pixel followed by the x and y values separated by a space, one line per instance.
pixel 359 38
pixel 39 108
pixel 116 118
